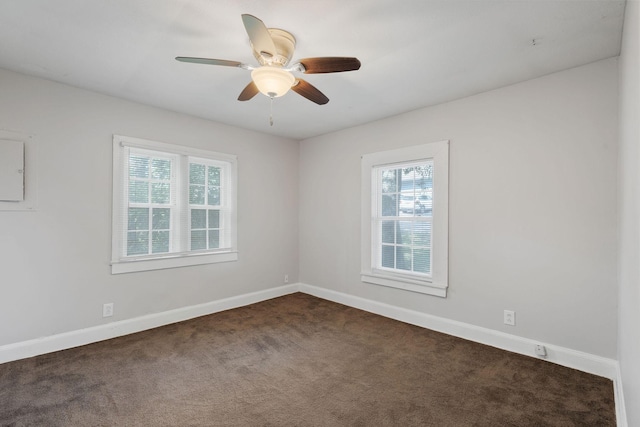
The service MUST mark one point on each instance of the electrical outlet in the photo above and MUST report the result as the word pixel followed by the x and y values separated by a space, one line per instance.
pixel 286 278
pixel 107 309
pixel 510 317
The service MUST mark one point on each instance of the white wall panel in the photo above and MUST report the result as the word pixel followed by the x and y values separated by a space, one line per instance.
pixel 11 171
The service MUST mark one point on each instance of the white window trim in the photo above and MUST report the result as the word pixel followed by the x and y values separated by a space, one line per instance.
pixel 438 283
pixel 120 264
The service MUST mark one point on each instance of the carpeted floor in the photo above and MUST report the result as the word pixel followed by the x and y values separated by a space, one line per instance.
pixel 297 361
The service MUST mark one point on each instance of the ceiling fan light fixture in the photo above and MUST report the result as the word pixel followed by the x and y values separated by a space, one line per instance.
pixel 273 48
pixel 272 81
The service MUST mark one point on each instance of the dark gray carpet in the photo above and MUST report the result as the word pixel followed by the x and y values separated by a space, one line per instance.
pixel 297 361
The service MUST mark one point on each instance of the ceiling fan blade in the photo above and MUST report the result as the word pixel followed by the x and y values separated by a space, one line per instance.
pixel 259 36
pixel 301 87
pixel 248 92
pixel 329 64
pixel 210 61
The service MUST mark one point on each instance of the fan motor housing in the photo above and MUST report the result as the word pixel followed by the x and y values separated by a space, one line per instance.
pixel 285 44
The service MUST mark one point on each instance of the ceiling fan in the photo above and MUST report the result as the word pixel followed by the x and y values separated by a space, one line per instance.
pixel 273 48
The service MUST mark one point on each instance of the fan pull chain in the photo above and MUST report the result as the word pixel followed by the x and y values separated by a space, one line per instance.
pixel 271 112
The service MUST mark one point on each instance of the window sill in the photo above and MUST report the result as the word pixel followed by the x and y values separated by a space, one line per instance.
pixel 132 266
pixel 419 286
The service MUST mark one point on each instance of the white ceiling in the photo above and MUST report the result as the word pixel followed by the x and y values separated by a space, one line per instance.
pixel 414 53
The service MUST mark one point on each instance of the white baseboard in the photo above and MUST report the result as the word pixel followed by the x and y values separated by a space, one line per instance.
pixel 38 346
pixel 592 364
pixel 585 362
pixel 563 356
pixel 621 411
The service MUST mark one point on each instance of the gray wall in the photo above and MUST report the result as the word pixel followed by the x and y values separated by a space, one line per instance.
pixel 629 208
pixel 533 210
pixel 532 207
pixel 55 272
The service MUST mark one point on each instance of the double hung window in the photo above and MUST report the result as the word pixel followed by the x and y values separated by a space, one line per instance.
pixel 405 218
pixel 173 206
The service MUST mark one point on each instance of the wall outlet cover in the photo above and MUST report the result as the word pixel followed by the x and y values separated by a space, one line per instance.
pixel 107 309
pixel 510 317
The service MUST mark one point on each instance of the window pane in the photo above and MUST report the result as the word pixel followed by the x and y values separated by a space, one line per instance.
pixel 198 218
pixel 196 173
pixel 214 218
pixel 424 204
pixel 138 192
pixel 161 169
pixel 389 184
pixel 403 232
pixel 138 166
pixel 137 242
pixel 198 240
pixel 160 193
pixel 138 219
pixel 407 183
pixel 424 177
pixel 160 242
pixel 388 256
pixel 407 203
pixel 403 258
pixel 422 260
pixel 214 239
pixel 388 234
pixel 406 180
pixel 160 218
pixel 389 205
pixel 214 196
pixel 422 234
pixel 214 176
pixel 196 194
pixel 419 179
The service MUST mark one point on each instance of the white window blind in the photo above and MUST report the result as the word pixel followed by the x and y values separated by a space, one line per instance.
pixel 173 206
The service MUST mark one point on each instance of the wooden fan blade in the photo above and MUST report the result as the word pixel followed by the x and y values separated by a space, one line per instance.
pixel 259 35
pixel 248 92
pixel 301 87
pixel 329 64
pixel 209 61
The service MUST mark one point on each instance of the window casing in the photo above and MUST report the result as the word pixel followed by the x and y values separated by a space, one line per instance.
pixel 173 206
pixel 405 218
